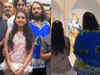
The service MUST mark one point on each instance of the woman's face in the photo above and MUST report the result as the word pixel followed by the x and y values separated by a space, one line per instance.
pixel 20 19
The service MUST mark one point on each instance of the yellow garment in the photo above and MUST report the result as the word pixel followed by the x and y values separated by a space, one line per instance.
pixel 73 38
pixel 72 57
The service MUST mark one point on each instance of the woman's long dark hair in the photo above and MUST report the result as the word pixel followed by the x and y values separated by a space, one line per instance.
pixel 57 37
pixel 89 21
pixel 26 32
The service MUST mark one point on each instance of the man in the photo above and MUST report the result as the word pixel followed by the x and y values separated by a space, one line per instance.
pixel 48 13
pixel 41 29
pixel 8 10
pixel 9 13
pixel 3 29
pixel 27 9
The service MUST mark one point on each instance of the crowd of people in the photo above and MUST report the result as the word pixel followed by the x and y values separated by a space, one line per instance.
pixel 25 42
pixel 30 46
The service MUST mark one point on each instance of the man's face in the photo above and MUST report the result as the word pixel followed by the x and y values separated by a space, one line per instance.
pixel 21 5
pixel 48 13
pixel 27 8
pixel 36 9
pixel 9 8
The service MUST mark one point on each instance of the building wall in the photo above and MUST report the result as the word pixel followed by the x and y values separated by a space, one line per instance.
pixel 67 6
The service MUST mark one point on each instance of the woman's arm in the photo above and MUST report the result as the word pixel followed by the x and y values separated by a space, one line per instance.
pixel 28 58
pixel 6 51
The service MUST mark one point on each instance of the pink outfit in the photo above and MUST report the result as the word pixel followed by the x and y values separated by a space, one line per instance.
pixel 19 53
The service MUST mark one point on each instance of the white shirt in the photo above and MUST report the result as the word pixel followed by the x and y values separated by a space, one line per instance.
pixel 10 21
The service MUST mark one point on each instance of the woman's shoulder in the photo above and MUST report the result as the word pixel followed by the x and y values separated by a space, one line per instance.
pixel 88 33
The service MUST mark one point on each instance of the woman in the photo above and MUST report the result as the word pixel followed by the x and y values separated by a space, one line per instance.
pixel 87 47
pixel 60 49
pixel 18 45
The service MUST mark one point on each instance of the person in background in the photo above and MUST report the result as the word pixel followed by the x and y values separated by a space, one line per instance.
pixel 41 29
pixel 19 5
pixel 48 13
pixel 3 29
pixel 60 46
pixel 28 9
pixel 9 13
pixel 9 10
pixel 87 46
pixel 19 43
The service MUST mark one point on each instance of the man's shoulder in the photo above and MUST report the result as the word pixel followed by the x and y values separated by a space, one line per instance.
pixel 45 22
pixel 11 21
pixel 3 22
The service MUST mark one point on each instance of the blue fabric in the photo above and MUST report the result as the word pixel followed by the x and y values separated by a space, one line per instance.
pixel 87 48
pixel 36 51
pixel 43 32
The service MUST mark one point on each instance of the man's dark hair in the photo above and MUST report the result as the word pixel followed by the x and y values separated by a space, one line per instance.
pixel 43 14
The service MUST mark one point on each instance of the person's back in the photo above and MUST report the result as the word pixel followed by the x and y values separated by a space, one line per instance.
pixel 87 47
pixel 60 49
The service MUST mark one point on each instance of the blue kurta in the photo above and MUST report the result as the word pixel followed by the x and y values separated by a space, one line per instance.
pixel 38 33
pixel 44 31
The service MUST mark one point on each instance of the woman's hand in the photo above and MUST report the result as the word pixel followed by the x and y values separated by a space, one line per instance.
pixel 12 69
pixel 19 72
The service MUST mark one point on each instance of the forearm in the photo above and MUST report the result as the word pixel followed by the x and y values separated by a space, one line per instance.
pixel 46 56
pixel 7 57
pixel 28 59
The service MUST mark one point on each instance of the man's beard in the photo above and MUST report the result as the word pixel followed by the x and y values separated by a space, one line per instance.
pixel 8 13
pixel 36 17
